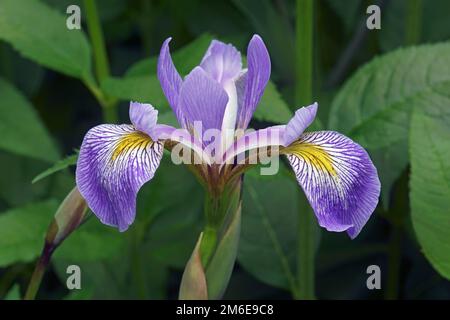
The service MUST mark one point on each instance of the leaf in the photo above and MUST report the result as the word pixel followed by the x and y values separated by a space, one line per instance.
pixel 144 89
pixel 22 231
pixel 58 166
pixel 91 241
pixel 269 236
pixel 21 130
pixel 430 179
pixel 170 227
pixel 375 105
pixel 193 283
pixel 185 59
pixel 272 107
pixel 40 34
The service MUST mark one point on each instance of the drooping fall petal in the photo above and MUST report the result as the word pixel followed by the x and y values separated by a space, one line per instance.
pixel 114 162
pixel 338 178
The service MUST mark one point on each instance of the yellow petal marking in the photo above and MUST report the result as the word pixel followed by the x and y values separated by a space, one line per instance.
pixel 131 141
pixel 313 154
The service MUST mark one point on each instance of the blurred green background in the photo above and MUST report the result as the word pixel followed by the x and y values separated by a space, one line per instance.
pixel 388 89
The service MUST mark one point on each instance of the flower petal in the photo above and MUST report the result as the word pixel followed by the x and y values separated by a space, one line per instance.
pixel 144 117
pixel 202 99
pixel 222 62
pixel 268 137
pixel 258 75
pixel 114 162
pixel 338 178
pixel 302 119
pixel 168 77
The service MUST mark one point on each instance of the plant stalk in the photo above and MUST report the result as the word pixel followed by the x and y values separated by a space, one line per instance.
pixel 100 59
pixel 304 89
pixel 413 27
pixel 39 272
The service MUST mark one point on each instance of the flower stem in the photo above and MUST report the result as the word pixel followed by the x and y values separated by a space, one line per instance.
pixel 413 25
pixel 38 272
pixel 100 59
pixel 304 81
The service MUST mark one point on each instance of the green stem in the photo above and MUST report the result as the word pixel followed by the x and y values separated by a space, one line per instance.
pixel 304 89
pixel 413 21
pixel 38 273
pixel 304 54
pixel 100 59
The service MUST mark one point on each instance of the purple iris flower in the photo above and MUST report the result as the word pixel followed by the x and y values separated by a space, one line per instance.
pixel 336 174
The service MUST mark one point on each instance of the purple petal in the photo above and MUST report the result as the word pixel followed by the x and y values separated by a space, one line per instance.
pixel 222 62
pixel 302 119
pixel 114 162
pixel 268 137
pixel 168 77
pixel 338 178
pixel 257 77
pixel 144 117
pixel 203 99
pixel 165 132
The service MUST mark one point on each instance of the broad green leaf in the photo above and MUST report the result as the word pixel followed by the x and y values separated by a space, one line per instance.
pixel 21 130
pixel 374 106
pixel 185 59
pixel 22 231
pixel 58 166
pixel 144 89
pixel 269 237
pixel 91 241
pixel 170 228
pixel 272 107
pixel 130 275
pixel 430 180
pixel 40 34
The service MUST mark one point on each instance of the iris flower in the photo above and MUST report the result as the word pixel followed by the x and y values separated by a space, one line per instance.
pixel 336 174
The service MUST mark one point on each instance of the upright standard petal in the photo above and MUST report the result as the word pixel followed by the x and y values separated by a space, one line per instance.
pixel 169 78
pixel 258 75
pixel 302 119
pixel 222 62
pixel 144 117
pixel 338 178
pixel 202 100
pixel 114 162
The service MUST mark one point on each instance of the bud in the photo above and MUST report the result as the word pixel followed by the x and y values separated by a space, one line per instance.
pixel 193 284
pixel 68 217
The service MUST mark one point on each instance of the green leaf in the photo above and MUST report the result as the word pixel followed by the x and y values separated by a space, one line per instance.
pixel 91 241
pixel 430 179
pixel 272 107
pixel 21 130
pixel 185 59
pixel 374 106
pixel 22 231
pixel 268 243
pixel 58 166
pixel 144 89
pixel 40 34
